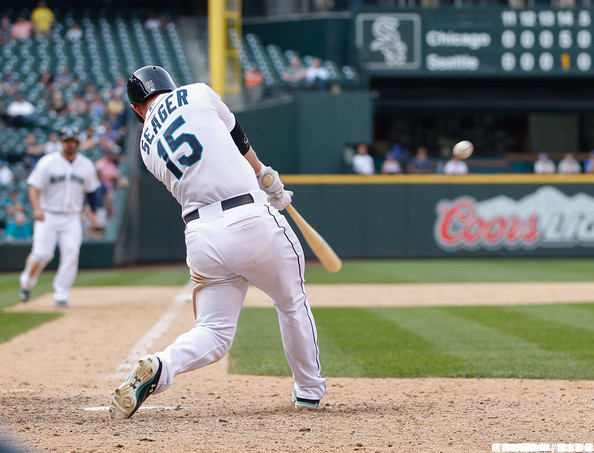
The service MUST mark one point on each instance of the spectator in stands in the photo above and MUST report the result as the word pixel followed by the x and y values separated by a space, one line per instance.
pixel 106 132
pixel 362 161
pixel 53 144
pixel 390 165
pixel 14 202
pixel 22 29
pixel 116 107
pixel 33 149
pixel 6 176
pixel 74 32
pixel 119 90
pixel 295 73
pixel 544 165
pixel 20 112
pixel 153 22
pixel 89 92
pixel 110 176
pixel 5 30
pixel 43 17
pixel 22 172
pixel 57 103
pixel 589 163
pixel 569 165
pixel 65 78
pixel 400 153
pixel 11 78
pixel 316 76
pixel 46 78
pixel 18 228
pixel 78 105
pixel 253 81
pixel 97 106
pixel 89 139
pixel 455 166
pixel 421 163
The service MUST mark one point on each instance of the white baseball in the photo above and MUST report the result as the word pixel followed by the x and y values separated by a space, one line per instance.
pixel 463 149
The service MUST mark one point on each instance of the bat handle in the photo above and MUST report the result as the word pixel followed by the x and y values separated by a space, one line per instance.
pixel 267 180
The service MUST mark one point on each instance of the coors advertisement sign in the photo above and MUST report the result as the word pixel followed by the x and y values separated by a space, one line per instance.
pixel 545 218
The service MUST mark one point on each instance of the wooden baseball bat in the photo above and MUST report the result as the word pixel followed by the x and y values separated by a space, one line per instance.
pixel 318 245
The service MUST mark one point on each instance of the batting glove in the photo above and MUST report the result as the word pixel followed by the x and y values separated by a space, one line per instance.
pixel 275 189
pixel 281 202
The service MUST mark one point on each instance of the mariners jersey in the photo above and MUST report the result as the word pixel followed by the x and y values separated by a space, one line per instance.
pixel 186 143
pixel 63 184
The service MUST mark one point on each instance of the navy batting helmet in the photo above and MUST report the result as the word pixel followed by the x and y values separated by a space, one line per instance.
pixel 69 133
pixel 147 81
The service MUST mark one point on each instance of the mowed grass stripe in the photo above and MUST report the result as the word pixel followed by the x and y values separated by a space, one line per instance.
pixel 578 315
pixel 367 343
pixel 427 341
pixel 559 351
pixel 486 350
pixel 482 351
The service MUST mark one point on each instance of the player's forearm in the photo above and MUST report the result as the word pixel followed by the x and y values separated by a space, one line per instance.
pixel 253 160
pixel 34 193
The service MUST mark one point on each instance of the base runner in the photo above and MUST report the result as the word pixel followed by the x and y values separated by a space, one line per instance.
pixel 57 188
pixel 235 236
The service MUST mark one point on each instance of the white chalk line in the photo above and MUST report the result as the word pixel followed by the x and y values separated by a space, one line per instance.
pixel 143 346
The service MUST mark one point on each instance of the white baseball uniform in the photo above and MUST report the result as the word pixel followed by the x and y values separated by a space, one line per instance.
pixel 62 186
pixel 186 144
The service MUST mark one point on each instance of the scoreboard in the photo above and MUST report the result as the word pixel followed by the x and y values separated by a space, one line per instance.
pixel 476 42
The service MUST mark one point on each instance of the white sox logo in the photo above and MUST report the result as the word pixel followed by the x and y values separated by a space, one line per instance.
pixel 387 40
pixel 545 218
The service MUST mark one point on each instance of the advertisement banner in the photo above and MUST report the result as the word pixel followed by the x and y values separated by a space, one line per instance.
pixel 546 218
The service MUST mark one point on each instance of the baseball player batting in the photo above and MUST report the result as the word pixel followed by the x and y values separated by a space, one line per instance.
pixel 235 236
pixel 57 188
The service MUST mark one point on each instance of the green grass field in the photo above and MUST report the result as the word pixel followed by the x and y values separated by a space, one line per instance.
pixel 537 341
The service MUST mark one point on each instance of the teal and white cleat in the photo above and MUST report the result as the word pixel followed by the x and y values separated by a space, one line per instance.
pixel 137 387
pixel 302 403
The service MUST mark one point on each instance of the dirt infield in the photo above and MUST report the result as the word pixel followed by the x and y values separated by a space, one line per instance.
pixel 56 381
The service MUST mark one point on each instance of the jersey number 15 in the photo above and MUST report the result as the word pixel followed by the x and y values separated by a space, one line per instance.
pixel 187 160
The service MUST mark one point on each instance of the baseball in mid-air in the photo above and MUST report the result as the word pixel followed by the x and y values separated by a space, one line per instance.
pixel 463 149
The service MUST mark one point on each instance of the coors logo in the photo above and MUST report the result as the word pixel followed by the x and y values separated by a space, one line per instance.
pixel 545 218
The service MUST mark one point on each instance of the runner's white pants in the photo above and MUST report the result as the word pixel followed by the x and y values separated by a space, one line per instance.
pixel 65 231
pixel 250 244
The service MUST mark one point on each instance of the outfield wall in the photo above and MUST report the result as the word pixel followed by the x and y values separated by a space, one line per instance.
pixel 409 216
pixel 403 216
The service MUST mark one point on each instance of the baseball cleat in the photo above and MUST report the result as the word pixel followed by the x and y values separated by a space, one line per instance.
pixel 24 295
pixel 143 381
pixel 302 403
pixel 61 303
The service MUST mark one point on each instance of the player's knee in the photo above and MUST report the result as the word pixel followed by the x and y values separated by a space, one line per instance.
pixel 42 257
pixel 69 257
pixel 225 340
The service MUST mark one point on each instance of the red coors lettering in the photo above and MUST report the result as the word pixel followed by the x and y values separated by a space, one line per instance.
pixel 458 226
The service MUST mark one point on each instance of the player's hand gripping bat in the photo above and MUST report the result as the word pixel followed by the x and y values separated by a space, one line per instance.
pixel 318 245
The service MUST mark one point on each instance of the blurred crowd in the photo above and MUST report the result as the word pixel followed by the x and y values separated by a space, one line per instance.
pixel 397 160
pixel 64 97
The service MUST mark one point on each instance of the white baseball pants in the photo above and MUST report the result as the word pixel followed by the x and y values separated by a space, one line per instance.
pixel 250 244
pixel 65 231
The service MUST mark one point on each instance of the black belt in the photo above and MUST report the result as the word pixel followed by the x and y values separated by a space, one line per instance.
pixel 229 203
